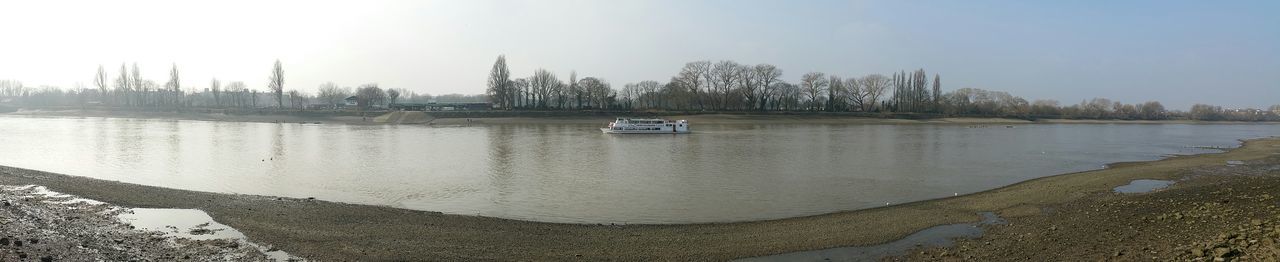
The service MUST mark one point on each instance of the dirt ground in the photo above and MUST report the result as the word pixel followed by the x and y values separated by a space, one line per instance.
pixel 41 228
pixel 1212 213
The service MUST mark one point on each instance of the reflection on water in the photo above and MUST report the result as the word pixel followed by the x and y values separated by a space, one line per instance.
pixel 573 173
pixel 1143 186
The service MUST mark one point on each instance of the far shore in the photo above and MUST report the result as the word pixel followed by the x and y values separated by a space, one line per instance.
pixel 452 118
pixel 322 230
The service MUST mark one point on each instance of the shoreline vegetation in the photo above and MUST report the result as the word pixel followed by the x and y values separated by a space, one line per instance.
pixel 449 118
pixel 722 87
pixel 322 230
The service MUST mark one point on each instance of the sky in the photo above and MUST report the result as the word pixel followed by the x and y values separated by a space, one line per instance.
pixel 1177 52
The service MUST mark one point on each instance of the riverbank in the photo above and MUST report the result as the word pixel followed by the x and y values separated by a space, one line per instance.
pixel 350 118
pixel 37 225
pixel 456 118
pixel 336 231
pixel 1211 213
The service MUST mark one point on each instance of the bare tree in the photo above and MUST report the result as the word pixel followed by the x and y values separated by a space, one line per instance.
pixel 691 78
pixel 873 87
pixel 724 77
pixel 835 93
pixel 175 86
pixel 369 95
pixel 216 87
pixel 500 83
pixel 542 82
pixel 393 94
pixel 937 93
pixel 813 84
pixel 330 93
pixel 100 80
pixel 575 90
pixel 519 89
pixel 136 82
pixel 276 83
pixel 766 75
pixel 122 83
pixel 239 93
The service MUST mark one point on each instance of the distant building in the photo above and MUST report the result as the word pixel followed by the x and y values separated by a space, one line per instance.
pixel 351 101
pixel 434 106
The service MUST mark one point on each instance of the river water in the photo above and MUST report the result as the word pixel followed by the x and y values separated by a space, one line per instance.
pixel 573 173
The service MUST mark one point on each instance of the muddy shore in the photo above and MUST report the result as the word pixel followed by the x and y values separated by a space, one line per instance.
pixel 39 226
pixel 336 231
pixel 1210 213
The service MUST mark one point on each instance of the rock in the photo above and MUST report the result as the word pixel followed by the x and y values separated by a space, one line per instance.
pixel 46 259
pixel 1256 222
pixel 33 241
pixel 4 241
pixel 1223 252
pixel 17 243
pixel 1196 252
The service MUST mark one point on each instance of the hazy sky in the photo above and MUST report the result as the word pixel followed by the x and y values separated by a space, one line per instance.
pixel 1177 52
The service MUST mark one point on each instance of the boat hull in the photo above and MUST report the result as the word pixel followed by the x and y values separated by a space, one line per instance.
pixel 614 131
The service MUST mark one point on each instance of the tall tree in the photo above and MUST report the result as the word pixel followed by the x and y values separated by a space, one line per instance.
pixel 937 93
pixel 499 83
pixel 136 82
pixel 835 93
pixel 175 86
pixel 576 90
pixel 276 83
pixel 216 87
pixel 100 80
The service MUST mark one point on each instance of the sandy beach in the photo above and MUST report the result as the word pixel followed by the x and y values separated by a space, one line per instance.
pixel 336 231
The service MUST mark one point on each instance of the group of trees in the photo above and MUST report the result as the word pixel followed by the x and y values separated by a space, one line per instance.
pixel 730 86
pixel 128 88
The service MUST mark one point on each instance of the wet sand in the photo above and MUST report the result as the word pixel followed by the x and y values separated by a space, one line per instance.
pixel 335 231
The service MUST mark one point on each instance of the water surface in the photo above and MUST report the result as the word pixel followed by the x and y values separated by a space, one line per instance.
pixel 573 173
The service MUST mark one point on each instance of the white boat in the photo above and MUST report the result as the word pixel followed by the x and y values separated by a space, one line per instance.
pixel 646 126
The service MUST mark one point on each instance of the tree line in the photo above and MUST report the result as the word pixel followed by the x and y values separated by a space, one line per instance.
pixel 727 86
pixel 129 89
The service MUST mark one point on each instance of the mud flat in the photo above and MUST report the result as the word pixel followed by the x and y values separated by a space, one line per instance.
pixel 40 225
pixel 1213 213
pixel 323 230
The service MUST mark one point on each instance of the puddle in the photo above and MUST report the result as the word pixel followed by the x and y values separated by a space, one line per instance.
pixel 937 236
pixel 193 224
pixel 1234 162
pixel 1143 186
